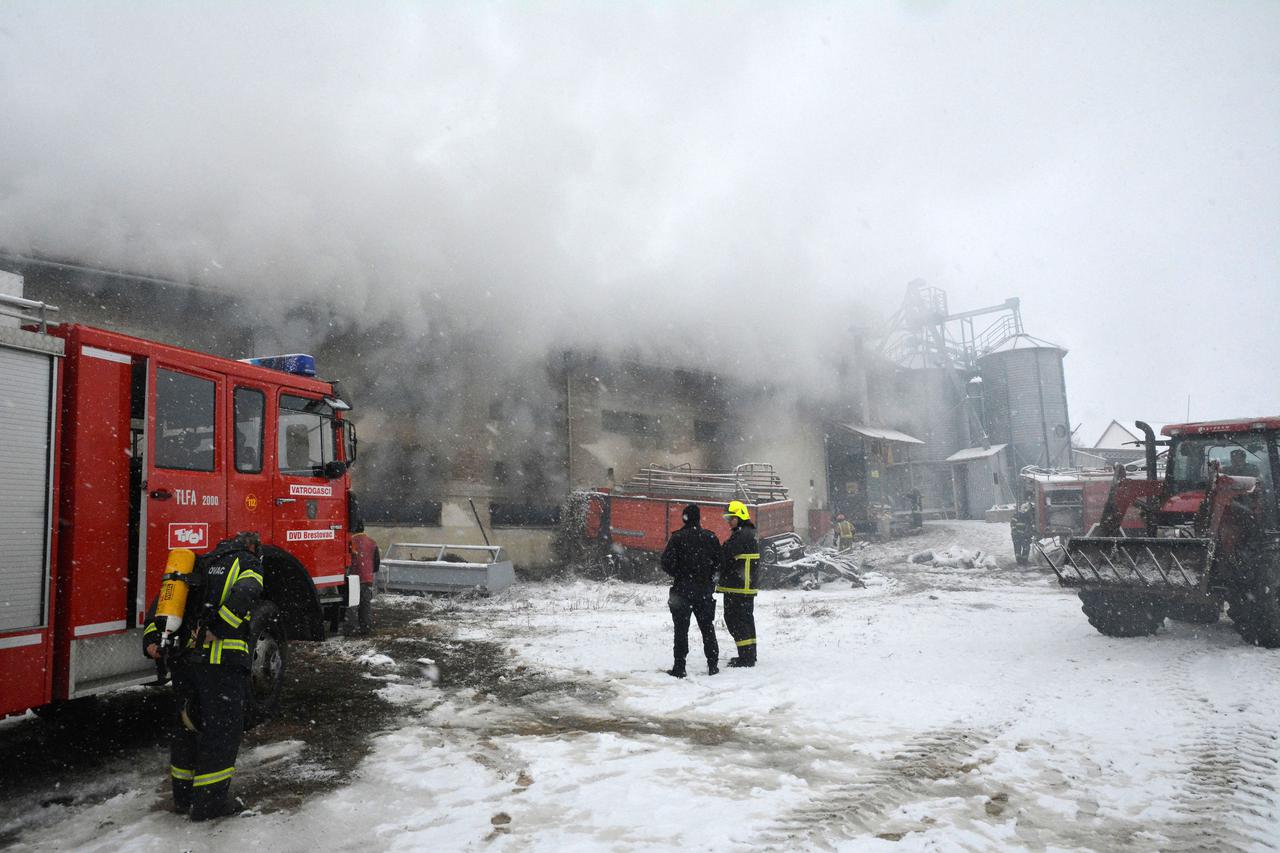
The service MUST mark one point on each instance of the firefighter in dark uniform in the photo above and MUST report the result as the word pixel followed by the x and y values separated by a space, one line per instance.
pixel 211 675
pixel 1022 528
pixel 692 558
pixel 739 555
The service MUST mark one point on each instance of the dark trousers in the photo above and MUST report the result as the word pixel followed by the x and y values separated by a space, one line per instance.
pixel 362 614
pixel 209 721
pixel 1022 547
pixel 704 609
pixel 740 619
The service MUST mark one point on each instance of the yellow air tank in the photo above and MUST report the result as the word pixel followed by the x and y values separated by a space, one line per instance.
pixel 172 602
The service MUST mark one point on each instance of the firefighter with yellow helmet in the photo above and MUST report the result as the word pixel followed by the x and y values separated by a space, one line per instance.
pixel 199 627
pixel 740 554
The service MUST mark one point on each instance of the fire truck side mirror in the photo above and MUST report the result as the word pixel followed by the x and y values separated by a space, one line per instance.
pixel 335 469
pixel 352 442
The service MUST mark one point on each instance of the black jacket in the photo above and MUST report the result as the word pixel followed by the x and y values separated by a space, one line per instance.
pixel 692 557
pixel 225 585
pixel 740 555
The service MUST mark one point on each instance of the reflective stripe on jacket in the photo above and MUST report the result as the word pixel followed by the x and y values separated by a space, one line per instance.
pixel 229 584
pixel 740 553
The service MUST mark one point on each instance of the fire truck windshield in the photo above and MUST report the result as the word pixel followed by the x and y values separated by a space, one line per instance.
pixel 306 436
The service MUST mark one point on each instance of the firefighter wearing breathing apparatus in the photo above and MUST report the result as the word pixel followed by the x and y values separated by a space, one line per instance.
pixel 199 630
pixel 740 552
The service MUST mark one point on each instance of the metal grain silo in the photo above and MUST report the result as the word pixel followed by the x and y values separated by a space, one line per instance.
pixel 931 408
pixel 1025 402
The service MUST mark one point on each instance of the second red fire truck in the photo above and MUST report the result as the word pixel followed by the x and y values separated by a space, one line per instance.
pixel 119 449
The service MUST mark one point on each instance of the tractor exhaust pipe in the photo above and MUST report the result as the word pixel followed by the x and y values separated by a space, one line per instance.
pixel 1149 442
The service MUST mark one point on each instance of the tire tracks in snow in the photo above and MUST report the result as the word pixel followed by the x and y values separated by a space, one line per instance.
pixel 930 764
pixel 1229 800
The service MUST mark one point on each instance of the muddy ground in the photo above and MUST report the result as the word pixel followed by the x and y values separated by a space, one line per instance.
pixel 94 749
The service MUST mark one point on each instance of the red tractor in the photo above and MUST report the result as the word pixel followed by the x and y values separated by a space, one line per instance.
pixel 1181 546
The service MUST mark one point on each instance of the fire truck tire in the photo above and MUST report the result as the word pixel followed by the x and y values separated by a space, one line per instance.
pixel 270 655
pixel 1122 614
pixel 1257 613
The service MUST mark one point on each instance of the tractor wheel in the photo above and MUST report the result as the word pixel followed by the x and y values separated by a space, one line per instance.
pixel 1122 614
pixel 266 672
pixel 1256 610
pixel 1197 614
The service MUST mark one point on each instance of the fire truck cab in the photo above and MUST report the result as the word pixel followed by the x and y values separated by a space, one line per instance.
pixel 121 449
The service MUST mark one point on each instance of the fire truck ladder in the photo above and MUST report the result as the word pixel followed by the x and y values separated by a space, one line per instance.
pixel 753 482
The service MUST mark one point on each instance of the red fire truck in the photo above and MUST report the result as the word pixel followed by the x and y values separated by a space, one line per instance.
pixel 118 449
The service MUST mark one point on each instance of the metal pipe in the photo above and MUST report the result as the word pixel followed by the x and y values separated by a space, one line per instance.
pixel 1149 443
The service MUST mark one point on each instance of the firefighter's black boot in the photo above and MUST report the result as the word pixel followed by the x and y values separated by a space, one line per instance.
pixel 677 671
pixel 713 667
pixel 221 808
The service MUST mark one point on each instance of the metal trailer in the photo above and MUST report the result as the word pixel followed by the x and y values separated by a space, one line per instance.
pixel 641 514
pixel 435 567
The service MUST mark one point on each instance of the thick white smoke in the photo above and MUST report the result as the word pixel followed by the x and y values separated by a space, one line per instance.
pixel 705 183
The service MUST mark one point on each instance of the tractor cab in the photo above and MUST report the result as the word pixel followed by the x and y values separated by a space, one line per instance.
pixel 1200 456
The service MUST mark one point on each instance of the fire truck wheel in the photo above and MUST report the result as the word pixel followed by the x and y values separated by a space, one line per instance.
pixel 1258 622
pixel 266 676
pixel 1122 614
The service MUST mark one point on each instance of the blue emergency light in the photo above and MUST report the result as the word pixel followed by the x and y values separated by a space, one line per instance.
pixel 297 363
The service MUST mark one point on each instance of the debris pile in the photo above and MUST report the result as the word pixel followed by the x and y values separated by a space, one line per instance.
pixel 820 564
pixel 955 557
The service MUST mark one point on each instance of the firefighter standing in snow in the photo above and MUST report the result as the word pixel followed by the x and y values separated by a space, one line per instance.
pixel 1021 528
pixel 692 558
pixel 843 532
pixel 211 675
pixel 740 553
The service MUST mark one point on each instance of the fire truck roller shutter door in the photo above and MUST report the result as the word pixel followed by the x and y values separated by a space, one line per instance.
pixel 25 385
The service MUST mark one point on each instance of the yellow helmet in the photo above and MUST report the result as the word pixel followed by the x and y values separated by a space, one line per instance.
pixel 737 509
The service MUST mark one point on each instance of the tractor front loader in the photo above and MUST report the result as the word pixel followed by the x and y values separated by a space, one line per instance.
pixel 1183 546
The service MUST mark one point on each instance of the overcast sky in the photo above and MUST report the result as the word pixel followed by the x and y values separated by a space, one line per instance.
pixel 695 177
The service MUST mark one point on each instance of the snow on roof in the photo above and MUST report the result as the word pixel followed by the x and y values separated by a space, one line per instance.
pixel 881 433
pixel 971 453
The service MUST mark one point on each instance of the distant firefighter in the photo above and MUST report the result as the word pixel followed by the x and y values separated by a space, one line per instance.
pixel 843 532
pixel 1022 529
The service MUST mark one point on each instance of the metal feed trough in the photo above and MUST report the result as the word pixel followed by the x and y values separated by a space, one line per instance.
pixel 431 567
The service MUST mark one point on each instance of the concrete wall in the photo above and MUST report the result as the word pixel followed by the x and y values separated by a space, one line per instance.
pixel 781 433
pixel 672 401
pixel 528 548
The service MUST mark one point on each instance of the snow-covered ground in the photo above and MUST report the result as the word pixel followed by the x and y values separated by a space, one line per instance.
pixel 940 708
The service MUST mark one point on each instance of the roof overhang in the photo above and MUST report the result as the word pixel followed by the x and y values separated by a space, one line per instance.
pixel 880 433
pixel 971 453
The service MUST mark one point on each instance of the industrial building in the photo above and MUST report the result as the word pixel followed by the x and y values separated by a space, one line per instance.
pixel 938 410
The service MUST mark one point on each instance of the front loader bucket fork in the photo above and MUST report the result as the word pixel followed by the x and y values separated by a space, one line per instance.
pixel 1135 562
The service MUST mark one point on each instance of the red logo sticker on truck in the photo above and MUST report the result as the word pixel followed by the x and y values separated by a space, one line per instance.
pixel 308 535
pixel 193 535
pixel 310 491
